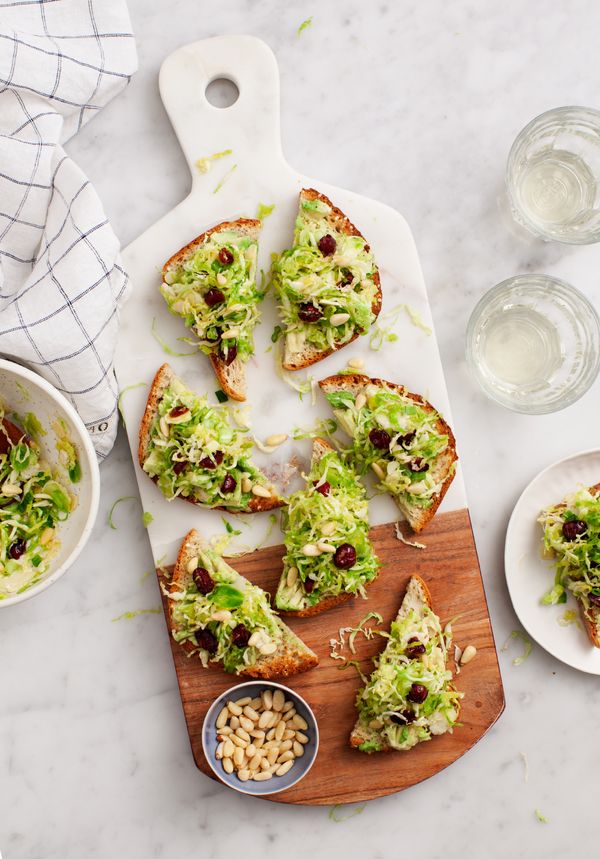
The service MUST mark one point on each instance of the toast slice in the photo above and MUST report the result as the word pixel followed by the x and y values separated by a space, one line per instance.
pixel 572 538
pixel 191 450
pixel 223 618
pixel 332 511
pixel 211 284
pixel 328 284
pixel 410 697
pixel 406 442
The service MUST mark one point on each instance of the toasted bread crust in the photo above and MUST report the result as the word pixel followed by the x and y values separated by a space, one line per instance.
pixel 286 661
pixel 340 222
pixel 352 381
pixel 162 379
pixel 232 379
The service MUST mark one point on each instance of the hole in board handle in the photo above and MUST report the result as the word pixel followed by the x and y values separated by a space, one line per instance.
pixel 222 92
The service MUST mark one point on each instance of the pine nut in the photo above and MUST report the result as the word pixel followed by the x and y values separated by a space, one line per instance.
pixel 261 491
pixel 222 718
pixel 378 470
pixel 276 440
pixel 226 730
pixel 279 731
pixel 287 706
pixel 292 578
pixel 234 723
pixel 275 719
pixel 302 738
pixel 256 704
pixel 219 752
pixel 311 550
pixel 238 741
pixel 243 735
pixel 287 717
pixel 288 735
pixel 268 648
pixel 243 775
pixel 228 765
pixel 267 695
pixel 239 757
pixel 286 756
pixel 297 748
pixel 251 751
pixel 278 700
pixel 222 616
pixel 192 564
pixel 258 742
pixel 271 744
pixel 264 763
pixel 228 748
pixel 263 776
pixel 241 702
pixel 324 546
pixel 250 713
pixel 246 486
pixel 299 722
pixel 270 735
pixel 234 709
pixel 272 755
pixel 359 401
pixel 470 652
pixel 356 363
pixel 255 762
pixel 257 734
pixel 221 279
pixel 170 277
pixel 339 319
pixel 284 768
pixel 328 528
pixel 286 745
pixel 264 719
pixel 246 724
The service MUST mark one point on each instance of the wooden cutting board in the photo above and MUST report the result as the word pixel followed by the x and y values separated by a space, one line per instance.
pixel 340 774
pixel 257 172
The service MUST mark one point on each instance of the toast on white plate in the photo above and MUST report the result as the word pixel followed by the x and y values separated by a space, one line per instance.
pixel 572 538
pixel 409 698
pixel 327 283
pixel 400 436
pixel 211 284
pixel 191 450
pixel 329 557
pixel 221 617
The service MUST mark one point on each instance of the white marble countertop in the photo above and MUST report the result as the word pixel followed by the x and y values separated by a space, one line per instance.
pixel 416 105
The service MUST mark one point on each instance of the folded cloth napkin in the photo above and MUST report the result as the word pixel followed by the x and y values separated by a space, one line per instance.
pixel 61 281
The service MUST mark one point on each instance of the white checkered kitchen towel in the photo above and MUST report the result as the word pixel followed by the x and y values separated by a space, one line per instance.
pixel 61 282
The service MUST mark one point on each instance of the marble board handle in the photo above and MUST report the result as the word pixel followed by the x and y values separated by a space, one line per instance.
pixel 250 127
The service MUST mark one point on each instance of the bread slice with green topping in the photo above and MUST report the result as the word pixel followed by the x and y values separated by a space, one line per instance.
pixel 191 450
pixel 572 538
pixel 221 617
pixel 211 284
pixel 400 436
pixel 409 698
pixel 327 284
pixel 329 557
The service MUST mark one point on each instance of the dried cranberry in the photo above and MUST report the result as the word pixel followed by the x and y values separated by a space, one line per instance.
pixel 345 556
pixel 594 599
pixel 380 439
pixel 228 484
pixel 203 580
pixel 229 355
pixel 214 296
pixel 206 640
pixel 225 256
pixel 417 693
pixel 211 463
pixel 327 245
pixel 418 465
pixel 417 649
pixel 346 278
pixel 403 718
pixel 179 466
pixel 309 313
pixel 177 411
pixel 407 439
pixel 240 635
pixel 309 585
pixel 573 529
pixel 324 488
pixel 17 549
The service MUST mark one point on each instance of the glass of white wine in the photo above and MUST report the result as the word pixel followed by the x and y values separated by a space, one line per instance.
pixel 553 176
pixel 533 344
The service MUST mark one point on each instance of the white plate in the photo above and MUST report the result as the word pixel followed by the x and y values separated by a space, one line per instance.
pixel 529 576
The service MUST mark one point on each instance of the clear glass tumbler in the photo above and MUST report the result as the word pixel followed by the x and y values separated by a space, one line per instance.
pixel 533 344
pixel 553 176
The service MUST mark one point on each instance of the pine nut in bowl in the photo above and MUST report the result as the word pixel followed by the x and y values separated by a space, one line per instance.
pixel 260 737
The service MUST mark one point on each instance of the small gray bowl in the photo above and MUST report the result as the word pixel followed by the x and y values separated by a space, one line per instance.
pixel 278 783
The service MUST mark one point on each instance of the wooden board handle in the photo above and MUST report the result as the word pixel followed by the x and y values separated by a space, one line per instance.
pixel 203 129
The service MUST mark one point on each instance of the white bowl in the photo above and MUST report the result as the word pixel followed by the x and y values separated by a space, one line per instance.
pixel 22 391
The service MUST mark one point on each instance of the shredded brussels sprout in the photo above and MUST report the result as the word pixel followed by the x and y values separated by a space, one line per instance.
pixel 204 164
pixel 130 615
pixel 527 646
pixel 304 25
